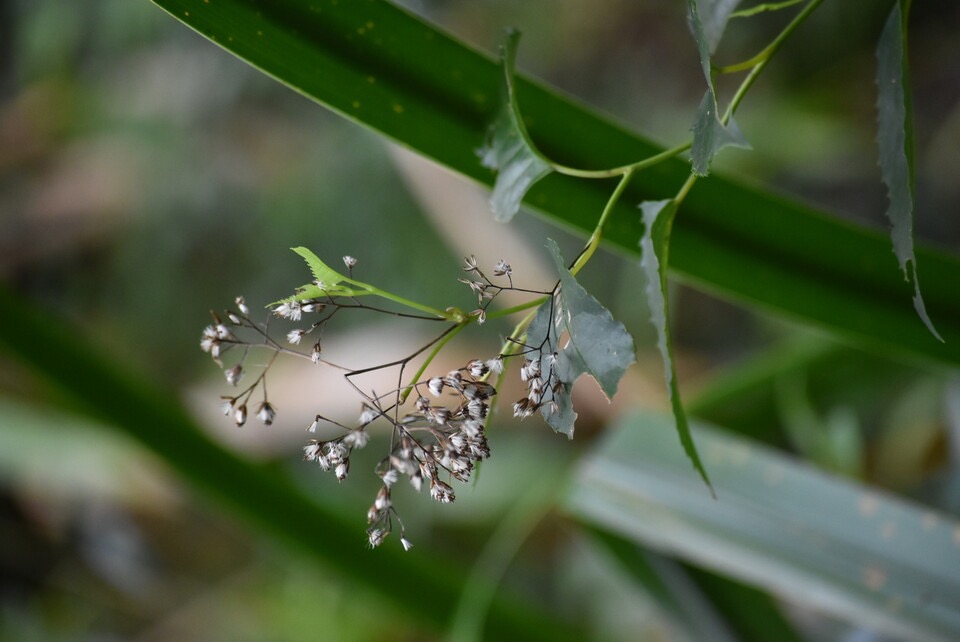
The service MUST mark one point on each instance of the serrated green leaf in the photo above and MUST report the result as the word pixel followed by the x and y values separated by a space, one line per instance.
pixel 714 15
pixel 895 139
pixel 325 277
pixel 508 149
pixel 710 134
pixel 654 245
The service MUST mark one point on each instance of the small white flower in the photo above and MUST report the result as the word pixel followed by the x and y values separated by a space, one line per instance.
pixel 495 365
pixel 342 469
pixel 223 332
pixel 356 439
pixel 435 386
pixel 383 499
pixel 349 261
pixel 234 374
pixel 407 545
pixel 289 310
pixel 367 415
pixel 390 477
pixel 240 414
pixel 313 426
pixel 441 491
pixel 502 269
pixel 294 336
pixel 315 355
pixel 227 407
pixel 242 305
pixel 477 368
pixel 312 450
pixel 375 537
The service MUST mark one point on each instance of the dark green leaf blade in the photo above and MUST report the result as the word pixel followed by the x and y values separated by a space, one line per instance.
pixel 753 249
pixel 710 134
pixel 895 139
pixel 654 245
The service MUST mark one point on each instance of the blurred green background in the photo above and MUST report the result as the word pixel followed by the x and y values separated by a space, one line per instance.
pixel 147 177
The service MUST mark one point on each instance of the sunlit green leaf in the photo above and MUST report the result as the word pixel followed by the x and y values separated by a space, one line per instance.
pixel 324 276
pixel 654 245
pixel 895 138
pixel 814 539
pixel 710 133
pixel 509 150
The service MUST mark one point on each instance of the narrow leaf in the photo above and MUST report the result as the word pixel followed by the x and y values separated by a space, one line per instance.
pixel 509 149
pixel 654 245
pixel 814 539
pixel 895 138
pixel 714 16
pixel 596 344
pixel 710 133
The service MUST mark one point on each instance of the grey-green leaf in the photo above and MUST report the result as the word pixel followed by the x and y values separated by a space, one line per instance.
pixel 895 139
pixel 508 149
pixel 714 15
pixel 654 245
pixel 710 133
pixel 816 540
pixel 597 344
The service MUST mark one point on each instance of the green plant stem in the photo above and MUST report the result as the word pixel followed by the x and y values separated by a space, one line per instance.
pixel 760 8
pixel 594 240
pixel 622 170
pixel 453 315
pixel 444 340
pixel 761 58
pixel 767 53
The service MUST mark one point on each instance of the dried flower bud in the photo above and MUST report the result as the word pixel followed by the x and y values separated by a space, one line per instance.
pixel 315 355
pixel 477 368
pixel 343 468
pixel 240 414
pixel 234 374
pixel 356 439
pixel 242 305
pixel 349 261
pixel 441 491
pixel 470 263
pixel 435 386
pixel 375 537
pixel 266 413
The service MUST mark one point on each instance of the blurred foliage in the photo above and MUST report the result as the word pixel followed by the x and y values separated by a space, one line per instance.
pixel 146 177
